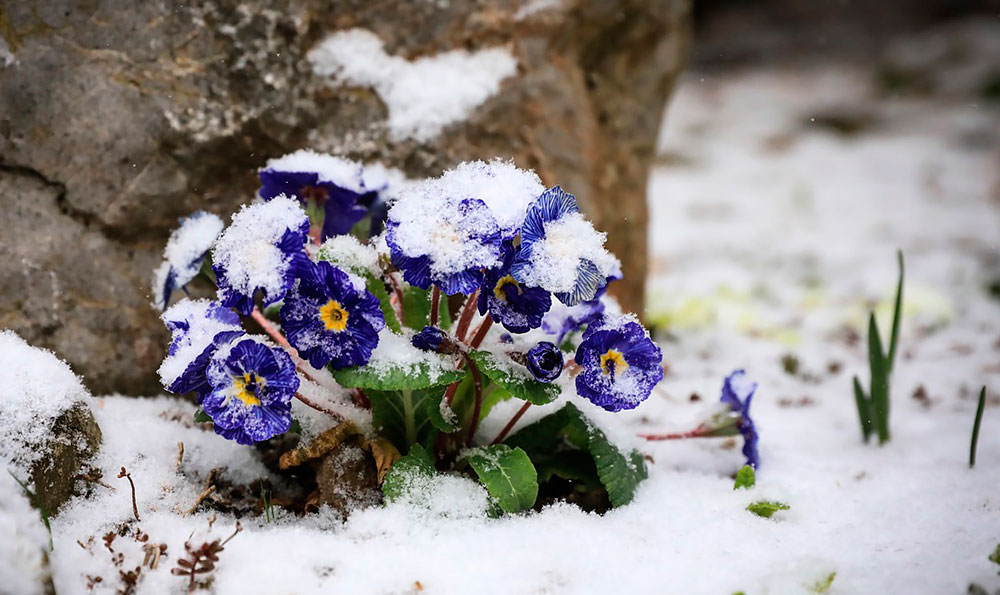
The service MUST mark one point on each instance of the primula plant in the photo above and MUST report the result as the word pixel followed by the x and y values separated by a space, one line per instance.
pixel 423 305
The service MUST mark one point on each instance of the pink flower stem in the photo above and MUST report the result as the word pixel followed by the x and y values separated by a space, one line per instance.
pixel 466 316
pixel 510 425
pixel 699 432
pixel 481 331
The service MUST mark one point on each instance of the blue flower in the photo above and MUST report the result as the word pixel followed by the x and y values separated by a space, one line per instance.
pixel 198 328
pixel 517 307
pixel 184 254
pixel 329 320
pixel 342 207
pixel 560 251
pixel 449 248
pixel 252 386
pixel 565 320
pixel 621 364
pixel 545 361
pixel 431 338
pixel 737 393
pixel 261 250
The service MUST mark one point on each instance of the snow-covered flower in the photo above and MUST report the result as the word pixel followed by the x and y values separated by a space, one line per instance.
pixel 545 361
pixel 737 392
pixel 260 251
pixel 184 254
pixel 198 328
pixel 621 364
pixel 252 385
pixel 447 243
pixel 329 319
pixel 561 251
pixel 335 187
pixel 517 307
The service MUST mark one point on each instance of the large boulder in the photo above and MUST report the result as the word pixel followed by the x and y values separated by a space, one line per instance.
pixel 115 122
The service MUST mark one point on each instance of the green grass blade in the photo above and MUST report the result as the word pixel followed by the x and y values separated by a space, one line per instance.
pixel 864 410
pixel 896 314
pixel 975 428
pixel 879 382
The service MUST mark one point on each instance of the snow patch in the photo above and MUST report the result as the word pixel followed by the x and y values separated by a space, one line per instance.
pixel 423 95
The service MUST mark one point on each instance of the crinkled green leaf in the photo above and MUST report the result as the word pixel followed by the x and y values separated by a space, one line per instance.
pixel 508 475
pixel 619 473
pixel 745 478
pixel 399 478
pixel 766 508
pixel 397 378
pixel 526 389
pixel 377 288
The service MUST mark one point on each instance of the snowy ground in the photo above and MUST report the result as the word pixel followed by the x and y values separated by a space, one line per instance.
pixel 772 236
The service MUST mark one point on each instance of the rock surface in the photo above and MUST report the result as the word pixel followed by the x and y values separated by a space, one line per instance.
pixel 114 123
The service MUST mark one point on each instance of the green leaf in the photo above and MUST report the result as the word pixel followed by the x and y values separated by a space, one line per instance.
pixel 526 389
pixel 396 378
pixel 377 288
pixel 975 429
pixel 416 307
pixel 766 508
pixel 896 314
pixel 508 475
pixel 408 417
pixel 619 473
pixel 864 410
pixel 879 382
pixel 399 478
pixel 823 585
pixel 745 478
pixel 200 417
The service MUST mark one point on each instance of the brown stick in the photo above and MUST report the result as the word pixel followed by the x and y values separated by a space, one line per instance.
pixel 128 476
pixel 317 407
pixel 180 456
pixel 510 425
pixel 695 433
pixel 466 316
pixel 481 332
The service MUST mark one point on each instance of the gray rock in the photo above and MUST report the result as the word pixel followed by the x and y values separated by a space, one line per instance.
pixel 116 121
pixel 75 438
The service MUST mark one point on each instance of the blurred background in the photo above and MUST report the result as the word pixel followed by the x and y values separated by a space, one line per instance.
pixel 755 162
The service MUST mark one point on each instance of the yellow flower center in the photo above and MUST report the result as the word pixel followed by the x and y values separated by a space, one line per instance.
pixel 333 316
pixel 613 363
pixel 499 289
pixel 247 388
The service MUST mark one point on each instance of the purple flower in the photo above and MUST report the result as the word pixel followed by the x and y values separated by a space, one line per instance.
pixel 342 207
pixel 560 251
pixel 198 328
pixel 184 254
pixel 737 393
pixel 517 307
pixel 252 386
pixel 446 246
pixel 545 361
pixel 621 364
pixel 566 320
pixel 431 338
pixel 260 251
pixel 329 320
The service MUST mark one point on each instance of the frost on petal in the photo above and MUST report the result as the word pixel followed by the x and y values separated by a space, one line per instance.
pixel 184 254
pixel 506 190
pixel 194 325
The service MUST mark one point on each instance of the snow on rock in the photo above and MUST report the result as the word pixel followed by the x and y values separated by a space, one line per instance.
pixel 423 95
pixel 23 566
pixel 37 388
pixel 184 253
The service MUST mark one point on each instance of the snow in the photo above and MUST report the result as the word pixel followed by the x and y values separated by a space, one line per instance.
pixel 185 251
pixel 396 352
pixel 424 95
pixel 37 388
pixel 347 253
pixel 342 172
pixel 248 247
pixel 506 189
pixel 23 567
